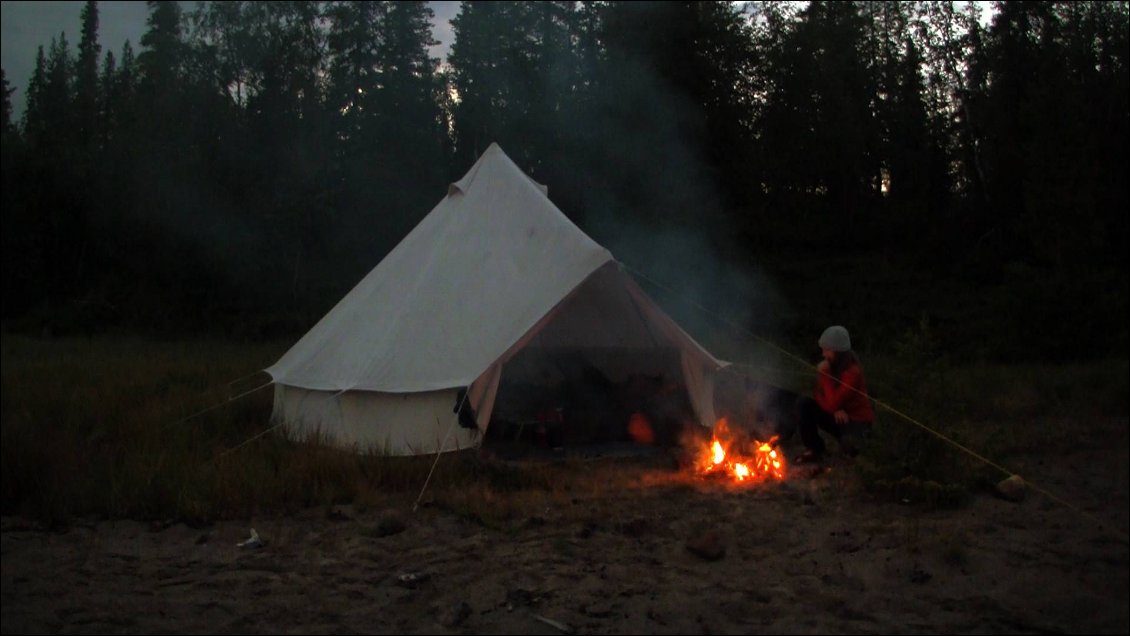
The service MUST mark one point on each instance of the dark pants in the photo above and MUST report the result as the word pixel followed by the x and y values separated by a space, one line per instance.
pixel 811 417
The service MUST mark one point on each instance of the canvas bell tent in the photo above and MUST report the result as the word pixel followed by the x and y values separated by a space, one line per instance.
pixel 495 284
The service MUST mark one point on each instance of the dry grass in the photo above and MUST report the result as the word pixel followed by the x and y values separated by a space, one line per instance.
pixel 97 427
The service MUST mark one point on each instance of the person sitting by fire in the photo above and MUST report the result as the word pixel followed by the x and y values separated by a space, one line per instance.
pixel 840 404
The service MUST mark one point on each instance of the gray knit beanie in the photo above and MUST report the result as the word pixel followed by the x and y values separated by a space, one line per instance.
pixel 835 338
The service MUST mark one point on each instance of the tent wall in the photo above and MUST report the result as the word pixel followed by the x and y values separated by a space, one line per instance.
pixel 385 423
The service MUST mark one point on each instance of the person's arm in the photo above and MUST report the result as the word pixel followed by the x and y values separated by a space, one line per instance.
pixel 832 395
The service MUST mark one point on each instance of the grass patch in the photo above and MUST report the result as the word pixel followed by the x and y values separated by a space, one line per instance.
pixel 939 424
pixel 97 427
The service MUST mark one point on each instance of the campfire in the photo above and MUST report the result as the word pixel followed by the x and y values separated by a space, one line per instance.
pixel 744 460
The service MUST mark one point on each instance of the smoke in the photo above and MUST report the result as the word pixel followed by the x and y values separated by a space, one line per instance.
pixel 638 181
pixel 728 305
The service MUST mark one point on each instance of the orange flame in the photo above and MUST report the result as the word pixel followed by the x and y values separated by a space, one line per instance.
pixel 765 462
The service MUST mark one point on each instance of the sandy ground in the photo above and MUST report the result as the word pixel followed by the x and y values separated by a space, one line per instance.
pixel 808 555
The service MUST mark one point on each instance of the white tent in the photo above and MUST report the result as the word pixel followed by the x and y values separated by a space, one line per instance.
pixel 493 270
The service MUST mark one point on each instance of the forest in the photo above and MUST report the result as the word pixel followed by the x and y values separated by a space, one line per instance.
pixel 881 163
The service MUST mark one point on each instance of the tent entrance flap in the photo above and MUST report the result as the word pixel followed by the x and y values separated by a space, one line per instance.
pixel 559 396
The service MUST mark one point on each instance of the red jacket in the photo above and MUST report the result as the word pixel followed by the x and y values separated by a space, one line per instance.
pixel 849 394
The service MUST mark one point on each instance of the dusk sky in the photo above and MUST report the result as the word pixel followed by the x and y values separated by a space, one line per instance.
pixel 24 26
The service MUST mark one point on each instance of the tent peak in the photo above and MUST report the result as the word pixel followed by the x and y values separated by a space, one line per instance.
pixel 493 154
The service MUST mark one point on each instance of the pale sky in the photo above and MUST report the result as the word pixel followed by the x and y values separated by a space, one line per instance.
pixel 24 26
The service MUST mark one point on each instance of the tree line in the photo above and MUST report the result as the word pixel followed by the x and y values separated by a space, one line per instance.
pixel 251 161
